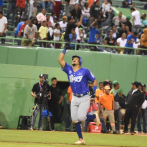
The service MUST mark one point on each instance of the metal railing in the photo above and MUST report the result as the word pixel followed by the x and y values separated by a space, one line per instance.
pixel 62 42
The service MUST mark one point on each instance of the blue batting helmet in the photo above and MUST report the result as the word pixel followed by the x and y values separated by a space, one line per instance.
pixel 80 59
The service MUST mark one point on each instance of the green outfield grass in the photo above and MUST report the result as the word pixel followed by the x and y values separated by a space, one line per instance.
pixel 18 138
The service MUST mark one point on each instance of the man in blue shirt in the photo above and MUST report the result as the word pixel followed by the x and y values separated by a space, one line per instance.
pixel 93 32
pixel 78 79
pixel 130 40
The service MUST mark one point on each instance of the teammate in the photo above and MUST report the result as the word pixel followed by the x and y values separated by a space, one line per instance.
pixel 78 79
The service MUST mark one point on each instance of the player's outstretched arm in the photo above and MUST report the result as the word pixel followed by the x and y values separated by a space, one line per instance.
pixel 61 57
pixel 95 82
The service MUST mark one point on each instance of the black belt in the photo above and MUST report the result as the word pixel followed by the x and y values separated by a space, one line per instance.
pixel 81 95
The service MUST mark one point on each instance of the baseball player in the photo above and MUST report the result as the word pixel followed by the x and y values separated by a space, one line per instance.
pixel 78 79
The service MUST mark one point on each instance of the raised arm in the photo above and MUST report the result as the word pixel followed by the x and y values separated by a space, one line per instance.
pixel 61 57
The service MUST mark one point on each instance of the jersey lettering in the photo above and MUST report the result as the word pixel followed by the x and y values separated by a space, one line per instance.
pixel 75 79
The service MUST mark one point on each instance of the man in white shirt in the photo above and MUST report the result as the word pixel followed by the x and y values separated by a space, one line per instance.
pixel 63 24
pixel 3 26
pixel 122 42
pixel 135 20
pixel 30 33
pixel 143 111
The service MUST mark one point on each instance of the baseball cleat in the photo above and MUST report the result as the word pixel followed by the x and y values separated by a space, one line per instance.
pixel 96 120
pixel 80 142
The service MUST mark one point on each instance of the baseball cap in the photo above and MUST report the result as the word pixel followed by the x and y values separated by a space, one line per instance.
pixel 92 99
pixel 107 87
pixel 115 82
pixel 70 17
pixel 120 91
pixel 143 85
pixel 139 84
pixel 64 17
pixel 41 76
pixel 135 83
pixel 128 17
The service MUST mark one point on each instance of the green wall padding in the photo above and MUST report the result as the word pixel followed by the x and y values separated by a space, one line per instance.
pixel 22 56
pixel 3 54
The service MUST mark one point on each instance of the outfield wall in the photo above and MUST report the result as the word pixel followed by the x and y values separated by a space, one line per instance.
pixel 19 70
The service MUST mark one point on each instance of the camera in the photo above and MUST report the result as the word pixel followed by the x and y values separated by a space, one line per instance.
pixel 44 88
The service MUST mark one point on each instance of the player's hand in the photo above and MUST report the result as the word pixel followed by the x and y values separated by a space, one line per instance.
pixel 49 98
pixel 59 102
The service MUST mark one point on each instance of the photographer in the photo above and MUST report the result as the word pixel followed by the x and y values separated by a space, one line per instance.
pixel 40 91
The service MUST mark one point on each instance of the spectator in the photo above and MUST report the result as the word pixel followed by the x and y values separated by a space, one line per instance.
pixel 57 35
pixel 114 92
pixel 108 106
pixel 43 33
pixel 121 42
pixel 55 21
pixel 35 8
pixel 130 40
pixel 41 16
pixel 18 27
pixel 111 42
pixel 119 19
pixel 55 102
pixel 106 8
pixel 92 115
pixel 35 22
pixel 1 5
pixel 52 16
pixel 144 42
pixel 78 36
pixel 21 31
pixel 1 126
pixel 21 6
pixel 99 92
pixel 3 27
pixel 28 9
pixel 136 20
pixel 66 7
pixel 49 23
pixel 30 33
pixel 63 24
pixel 126 3
pixel 127 29
pixel 93 32
pixel 145 6
pixel 114 31
pixel 134 101
pixel 128 23
pixel 122 30
pixel 95 11
pixel 137 45
pixel 143 21
pixel 72 37
pixel 86 11
pixel 12 7
pixel 56 7
pixel 142 111
pixel 69 98
pixel 49 4
pixel 71 25
pixel 76 12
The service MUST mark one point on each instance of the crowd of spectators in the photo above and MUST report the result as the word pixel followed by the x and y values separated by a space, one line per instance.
pixel 93 23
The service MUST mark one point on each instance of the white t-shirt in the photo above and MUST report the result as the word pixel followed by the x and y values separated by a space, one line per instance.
pixel 121 42
pixel 3 21
pixel 63 25
pixel 137 17
pixel 144 105
pixel 57 37
pixel 135 45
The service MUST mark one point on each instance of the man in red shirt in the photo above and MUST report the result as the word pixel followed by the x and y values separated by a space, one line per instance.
pixel 20 34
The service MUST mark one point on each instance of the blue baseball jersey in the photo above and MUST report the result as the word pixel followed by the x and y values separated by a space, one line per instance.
pixel 78 80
